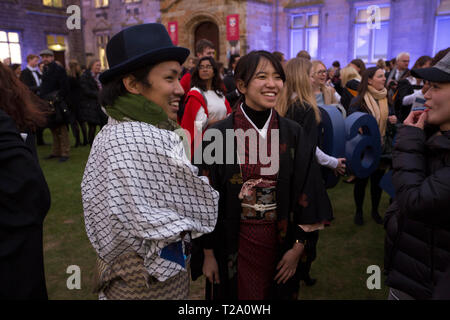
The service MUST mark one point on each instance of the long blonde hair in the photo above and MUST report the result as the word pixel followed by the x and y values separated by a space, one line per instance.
pixel 297 87
pixel 348 73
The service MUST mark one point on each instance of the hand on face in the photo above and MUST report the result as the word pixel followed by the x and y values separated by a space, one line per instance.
pixel 416 119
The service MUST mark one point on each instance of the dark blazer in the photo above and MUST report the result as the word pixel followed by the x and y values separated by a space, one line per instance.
pixel 24 202
pixel 417 244
pixel 27 77
pixel 90 110
pixel 54 78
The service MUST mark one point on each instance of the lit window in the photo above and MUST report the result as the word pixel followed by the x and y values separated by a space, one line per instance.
pixel 371 40
pixel 10 46
pixel 102 40
pixel 305 34
pixel 442 25
pixel 131 1
pixel 101 3
pixel 52 3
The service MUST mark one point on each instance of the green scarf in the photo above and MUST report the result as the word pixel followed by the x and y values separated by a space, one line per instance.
pixel 134 107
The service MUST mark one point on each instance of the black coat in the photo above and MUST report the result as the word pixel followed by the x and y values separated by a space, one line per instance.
pixel 295 168
pixel 24 202
pixel 417 245
pixel 90 110
pixel 73 99
pixel 232 94
pixel 54 78
pixel 27 78
pixel 404 89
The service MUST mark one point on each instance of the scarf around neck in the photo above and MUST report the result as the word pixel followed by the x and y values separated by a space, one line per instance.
pixel 134 107
pixel 376 102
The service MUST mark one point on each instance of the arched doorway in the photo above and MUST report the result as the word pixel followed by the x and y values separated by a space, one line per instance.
pixel 208 30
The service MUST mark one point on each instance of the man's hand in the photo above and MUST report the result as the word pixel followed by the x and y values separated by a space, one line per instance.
pixel 210 267
pixel 416 119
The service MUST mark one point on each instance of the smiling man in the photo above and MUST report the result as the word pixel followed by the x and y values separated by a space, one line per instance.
pixel 138 217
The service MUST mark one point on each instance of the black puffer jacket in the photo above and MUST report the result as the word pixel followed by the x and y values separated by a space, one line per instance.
pixel 417 246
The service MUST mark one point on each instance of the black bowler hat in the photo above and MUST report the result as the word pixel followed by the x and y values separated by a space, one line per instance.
pixel 440 72
pixel 138 46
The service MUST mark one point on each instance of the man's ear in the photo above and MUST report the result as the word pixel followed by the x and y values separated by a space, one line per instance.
pixel 131 84
pixel 240 85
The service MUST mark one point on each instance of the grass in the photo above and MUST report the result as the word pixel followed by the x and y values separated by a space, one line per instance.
pixel 344 250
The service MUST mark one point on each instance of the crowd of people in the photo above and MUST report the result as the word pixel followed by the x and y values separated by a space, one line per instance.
pixel 157 218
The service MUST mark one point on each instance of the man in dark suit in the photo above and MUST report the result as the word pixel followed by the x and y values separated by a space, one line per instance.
pixel 54 80
pixel 31 76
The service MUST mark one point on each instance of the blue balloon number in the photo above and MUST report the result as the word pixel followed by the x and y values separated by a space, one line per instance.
pixel 362 150
pixel 357 138
pixel 333 140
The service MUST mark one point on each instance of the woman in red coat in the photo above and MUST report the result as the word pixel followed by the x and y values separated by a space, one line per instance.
pixel 205 103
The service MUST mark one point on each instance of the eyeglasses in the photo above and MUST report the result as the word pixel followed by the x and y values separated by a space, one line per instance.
pixel 321 72
pixel 209 67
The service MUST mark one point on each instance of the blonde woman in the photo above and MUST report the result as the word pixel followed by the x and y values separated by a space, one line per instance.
pixel 297 103
pixel 323 94
pixel 350 80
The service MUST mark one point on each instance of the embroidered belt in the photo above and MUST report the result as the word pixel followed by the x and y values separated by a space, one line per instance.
pixel 259 201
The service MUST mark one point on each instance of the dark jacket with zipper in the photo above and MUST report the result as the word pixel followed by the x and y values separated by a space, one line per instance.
pixel 417 244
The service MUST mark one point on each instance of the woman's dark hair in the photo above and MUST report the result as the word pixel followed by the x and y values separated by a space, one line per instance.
pixel 24 107
pixel 363 87
pixel 439 56
pixel 216 83
pixel 421 61
pixel 419 64
pixel 115 87
pixel 360 64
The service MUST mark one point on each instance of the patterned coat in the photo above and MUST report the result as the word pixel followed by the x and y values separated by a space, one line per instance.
pixel 140 192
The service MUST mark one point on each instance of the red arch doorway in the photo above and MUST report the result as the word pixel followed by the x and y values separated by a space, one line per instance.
pixel 208 30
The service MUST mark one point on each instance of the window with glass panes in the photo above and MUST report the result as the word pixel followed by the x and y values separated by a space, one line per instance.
pixel 53 3
pixel 442 27
pixel 102 40
pixel 10 46
pixel 371 43
pixel 101 3
pixel 305 33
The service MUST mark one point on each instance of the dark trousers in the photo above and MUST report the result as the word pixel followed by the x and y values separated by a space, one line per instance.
pixel 359 190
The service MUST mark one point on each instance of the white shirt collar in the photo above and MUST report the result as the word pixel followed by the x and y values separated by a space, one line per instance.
pixel 263 131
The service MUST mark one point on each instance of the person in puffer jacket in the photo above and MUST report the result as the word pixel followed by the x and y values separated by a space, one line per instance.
pixel 417 246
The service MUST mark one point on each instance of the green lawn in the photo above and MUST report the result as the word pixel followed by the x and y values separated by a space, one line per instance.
pixel 343 255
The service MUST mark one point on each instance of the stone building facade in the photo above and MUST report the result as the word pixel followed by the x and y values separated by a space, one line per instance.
pixel 329 29
pixel 29 26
